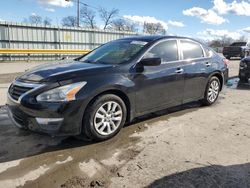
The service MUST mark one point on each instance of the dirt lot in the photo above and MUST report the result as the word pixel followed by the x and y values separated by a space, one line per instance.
pixel 188 146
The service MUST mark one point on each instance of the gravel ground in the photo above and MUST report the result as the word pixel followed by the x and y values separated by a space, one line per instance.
pixel 187 146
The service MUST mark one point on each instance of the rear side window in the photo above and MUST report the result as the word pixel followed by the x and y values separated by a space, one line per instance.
pixel 208 51
pixel 191 50
pixel 167 51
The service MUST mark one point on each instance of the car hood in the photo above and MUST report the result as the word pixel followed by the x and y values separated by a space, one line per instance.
pixel 62 70
pixel 246 59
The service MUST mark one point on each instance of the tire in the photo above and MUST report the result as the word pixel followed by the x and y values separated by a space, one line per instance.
pixel 243 80
pixel 105 117
pixel 212 91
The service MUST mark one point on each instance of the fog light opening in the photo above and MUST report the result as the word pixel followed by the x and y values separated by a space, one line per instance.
pixel 50 124
pixel 49 121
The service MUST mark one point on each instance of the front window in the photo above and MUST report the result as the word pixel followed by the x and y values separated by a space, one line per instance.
pixel 116 52
pixel 166 50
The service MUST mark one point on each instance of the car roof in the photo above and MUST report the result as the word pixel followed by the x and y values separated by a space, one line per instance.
pixel 152 38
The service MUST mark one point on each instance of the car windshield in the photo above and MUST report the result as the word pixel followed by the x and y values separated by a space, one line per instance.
pixel 116 52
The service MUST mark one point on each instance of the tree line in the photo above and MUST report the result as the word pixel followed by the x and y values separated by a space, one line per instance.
pixel 110 21
pixel 225 41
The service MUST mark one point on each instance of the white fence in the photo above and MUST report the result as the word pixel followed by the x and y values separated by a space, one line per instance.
pixel 27 36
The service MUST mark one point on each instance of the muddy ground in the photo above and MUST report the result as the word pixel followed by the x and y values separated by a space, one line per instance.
pixel 187 146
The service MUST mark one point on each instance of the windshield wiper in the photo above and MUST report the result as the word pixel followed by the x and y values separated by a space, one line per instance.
pixel 89 61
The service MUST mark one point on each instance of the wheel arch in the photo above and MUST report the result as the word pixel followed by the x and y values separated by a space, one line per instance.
pixel 118 93
pixel 220 76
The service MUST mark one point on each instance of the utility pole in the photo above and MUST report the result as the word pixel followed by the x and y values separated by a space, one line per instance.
pixel 78 11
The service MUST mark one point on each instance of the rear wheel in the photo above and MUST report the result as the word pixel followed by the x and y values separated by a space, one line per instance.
pixel 212 91
pixel 105 117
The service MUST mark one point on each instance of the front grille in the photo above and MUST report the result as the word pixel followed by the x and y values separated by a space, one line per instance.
pixel 248 65
pixel 16 91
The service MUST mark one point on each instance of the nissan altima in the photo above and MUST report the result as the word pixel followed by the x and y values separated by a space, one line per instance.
pixel 97 93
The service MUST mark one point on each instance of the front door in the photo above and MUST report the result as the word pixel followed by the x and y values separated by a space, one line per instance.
pixel 160 86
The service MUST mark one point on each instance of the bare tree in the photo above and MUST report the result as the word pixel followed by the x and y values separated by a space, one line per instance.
pixel 154 28
pixel 226 41
pixel 242 39
pixel 108 16
pixel 88 17
pixel 47 21
pixel 69 21
pixel 34 19
pixel 216 43
pixel 123 25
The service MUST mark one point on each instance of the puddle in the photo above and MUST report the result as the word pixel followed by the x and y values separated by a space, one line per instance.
pixel 71 161
pixel 234 83
pixel 36 144
pixel 89 161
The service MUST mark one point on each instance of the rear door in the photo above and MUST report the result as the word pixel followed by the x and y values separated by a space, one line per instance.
pixel 197 67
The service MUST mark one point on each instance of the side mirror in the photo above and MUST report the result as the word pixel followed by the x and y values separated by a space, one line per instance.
pixel 65 57
pixel 150 62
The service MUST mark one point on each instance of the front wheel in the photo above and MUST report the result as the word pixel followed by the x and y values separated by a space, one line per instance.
pixel 212 91
pixel 105 117
pixel 243 79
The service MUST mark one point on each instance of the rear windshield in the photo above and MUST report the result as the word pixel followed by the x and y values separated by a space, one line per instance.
pixel 239 44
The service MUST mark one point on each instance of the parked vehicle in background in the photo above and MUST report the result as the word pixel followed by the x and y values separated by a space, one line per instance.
pixel 97 93
pixel 244 73
pixel 236 49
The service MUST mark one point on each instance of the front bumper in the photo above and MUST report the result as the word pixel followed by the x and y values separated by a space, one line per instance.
pixel 244 74
pixel 55 119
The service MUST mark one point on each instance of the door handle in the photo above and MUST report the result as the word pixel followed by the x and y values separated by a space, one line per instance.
pixel 208 64
pixel 179 71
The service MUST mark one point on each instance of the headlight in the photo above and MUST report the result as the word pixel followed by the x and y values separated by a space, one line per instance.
pixel 63 93
pixel 243 64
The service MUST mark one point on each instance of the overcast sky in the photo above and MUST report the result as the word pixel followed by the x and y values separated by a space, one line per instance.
pixel 195 18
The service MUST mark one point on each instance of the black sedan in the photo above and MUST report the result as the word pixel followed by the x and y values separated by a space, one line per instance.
pixel 95 94
pixel 244 73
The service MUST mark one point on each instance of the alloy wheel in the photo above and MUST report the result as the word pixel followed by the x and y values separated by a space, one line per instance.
pixel 213 91
pixel 108 118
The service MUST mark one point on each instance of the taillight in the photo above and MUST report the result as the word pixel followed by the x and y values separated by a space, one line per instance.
pixel 226 61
